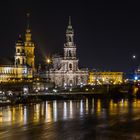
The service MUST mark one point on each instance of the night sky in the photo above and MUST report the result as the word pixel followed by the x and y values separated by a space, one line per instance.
pixel 107 34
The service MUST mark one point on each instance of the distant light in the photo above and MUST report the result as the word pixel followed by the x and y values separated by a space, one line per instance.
pixel 36 90
pixel 134 56
pixel 86 89
pixel 54 90
pixel 65 84
pixel 136 77
pixel 81 85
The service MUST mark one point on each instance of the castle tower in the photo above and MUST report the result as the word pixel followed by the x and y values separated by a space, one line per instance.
pixel 20 57
pixel 29 46
pixel 71 62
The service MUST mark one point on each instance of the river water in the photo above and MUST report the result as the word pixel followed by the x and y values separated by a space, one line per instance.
pixel 72 120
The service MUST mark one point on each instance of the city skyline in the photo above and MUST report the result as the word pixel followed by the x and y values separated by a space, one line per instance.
pixel 107 35
pixel 69 70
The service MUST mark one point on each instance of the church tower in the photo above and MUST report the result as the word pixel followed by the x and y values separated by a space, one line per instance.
pixel 68 74
pixel 71 62
pixel 29 46
pixel 20 56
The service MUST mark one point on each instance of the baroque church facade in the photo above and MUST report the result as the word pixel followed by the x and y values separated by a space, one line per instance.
pixel 24 64
pixel 65 71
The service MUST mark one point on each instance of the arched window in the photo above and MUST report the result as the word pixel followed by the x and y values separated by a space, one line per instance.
pixel 67 54
pixel 70 83
pixel 70 53
pixel 70 40
pixel 70 66
pixel 18 61
pixel 18 50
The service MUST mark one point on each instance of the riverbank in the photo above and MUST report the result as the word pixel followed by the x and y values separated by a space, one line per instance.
pixel 39 97
pixel 19 96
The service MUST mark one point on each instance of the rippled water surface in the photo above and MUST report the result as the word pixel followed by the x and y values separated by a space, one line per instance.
pixel 72 120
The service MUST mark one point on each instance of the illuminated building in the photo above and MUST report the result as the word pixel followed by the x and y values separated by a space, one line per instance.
pixel 65 71
pixel 100 78
pixel 23 66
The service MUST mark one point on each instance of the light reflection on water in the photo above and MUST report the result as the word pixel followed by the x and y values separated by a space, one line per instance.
pixel 92 118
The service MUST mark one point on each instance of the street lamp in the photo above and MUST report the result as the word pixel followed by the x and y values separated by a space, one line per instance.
pixel 48 61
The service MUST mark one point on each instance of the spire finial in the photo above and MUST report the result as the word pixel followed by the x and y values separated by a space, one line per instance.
pixel 28 20
pixel 69 20
pixel 69 27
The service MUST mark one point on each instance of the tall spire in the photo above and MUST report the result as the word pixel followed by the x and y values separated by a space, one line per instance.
pixel 28 22
pixel 69 25
pixel 69 33
pixel 69 20
pixel 69 28
pixel 28 30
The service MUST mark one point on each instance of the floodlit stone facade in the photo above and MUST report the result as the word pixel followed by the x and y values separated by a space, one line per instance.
pixel 65 71
pixel 101 78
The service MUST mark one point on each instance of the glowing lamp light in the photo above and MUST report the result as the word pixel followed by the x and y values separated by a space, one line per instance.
pixel 136 77
pixel 86 89
pixel 81 85
pixel 36 90
pixel 48 61
pixel 54 90
pixel 65 85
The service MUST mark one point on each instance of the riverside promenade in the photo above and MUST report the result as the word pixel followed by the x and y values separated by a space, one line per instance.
pixel 102 92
